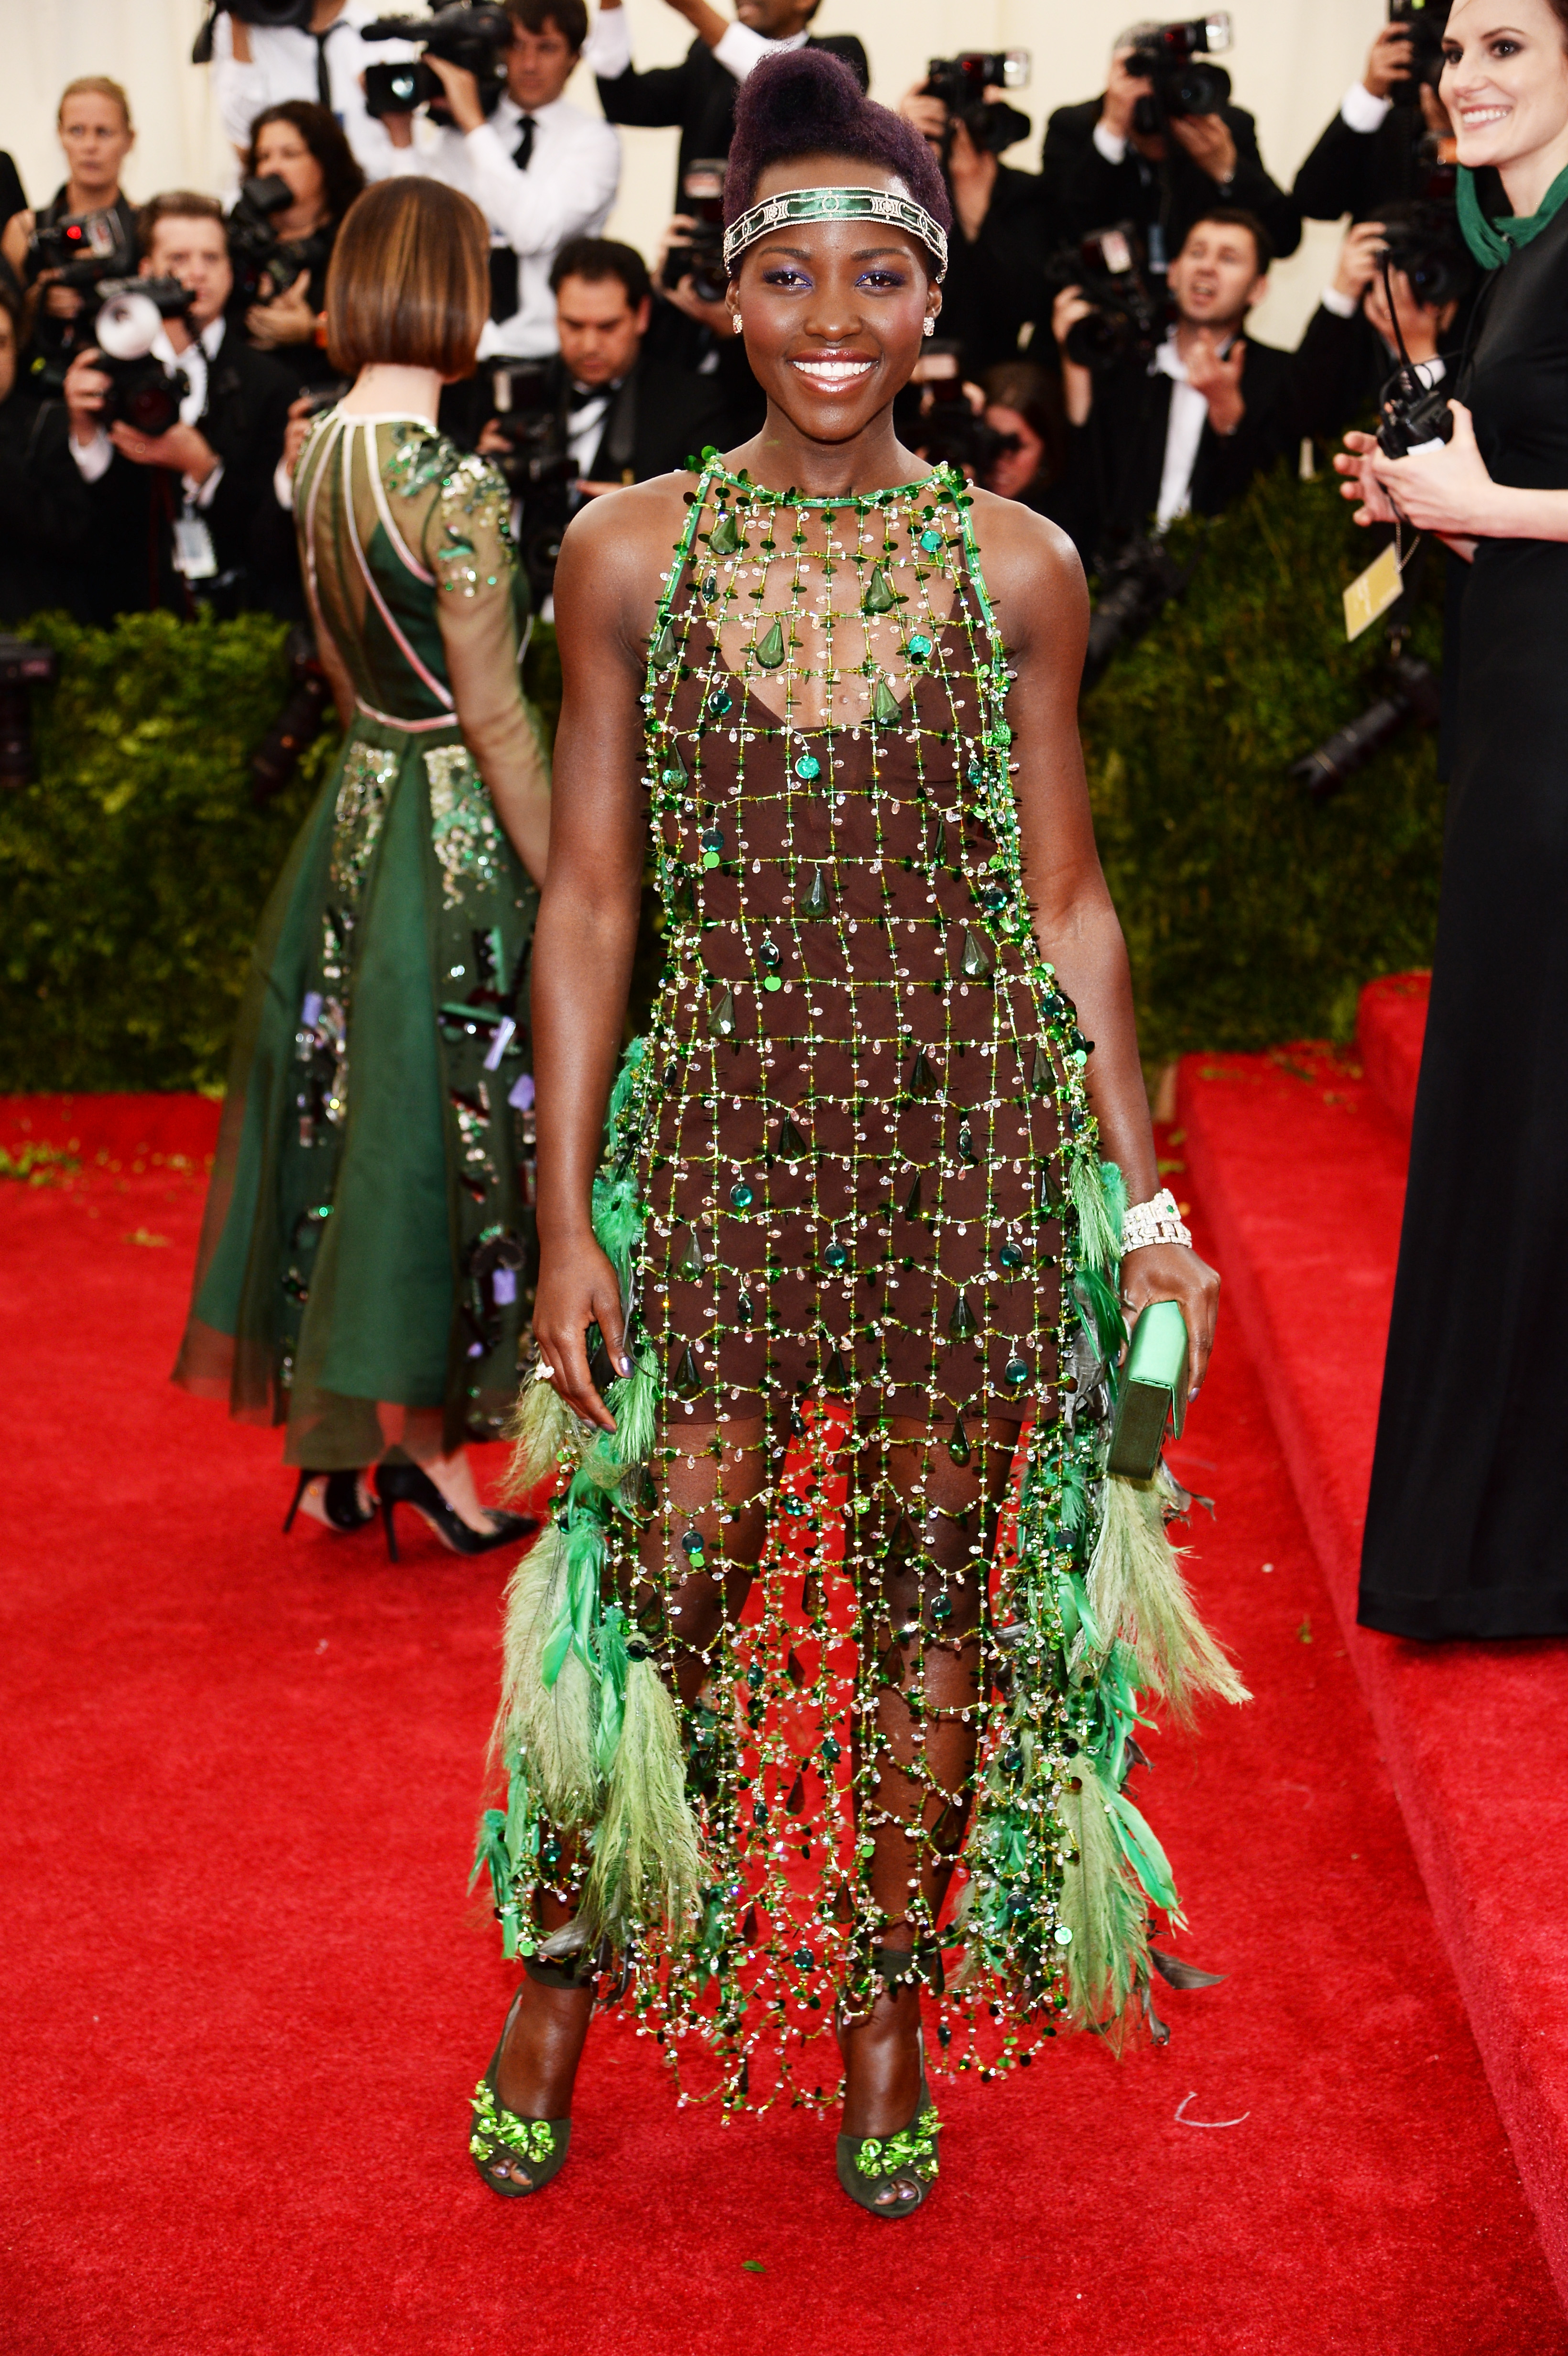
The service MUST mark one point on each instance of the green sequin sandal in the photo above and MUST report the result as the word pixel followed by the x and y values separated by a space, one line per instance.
pixel 498 2133
pixel 908 2160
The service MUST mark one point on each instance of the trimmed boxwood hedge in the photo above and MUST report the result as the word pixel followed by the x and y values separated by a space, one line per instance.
pixel 133 872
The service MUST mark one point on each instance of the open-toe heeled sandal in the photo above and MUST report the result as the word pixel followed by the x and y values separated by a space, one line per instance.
pixel 907 2161
pixel 498 2137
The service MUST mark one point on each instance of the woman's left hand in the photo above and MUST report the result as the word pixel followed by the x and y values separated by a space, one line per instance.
pixel 1175 1273
pixel 287 320
pixel 1444 490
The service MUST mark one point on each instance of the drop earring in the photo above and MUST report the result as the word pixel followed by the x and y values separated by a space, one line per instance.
pixel 737 324
pixel 929 328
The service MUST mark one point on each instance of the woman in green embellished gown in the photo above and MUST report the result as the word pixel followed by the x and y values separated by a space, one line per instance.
pixel 861 1215
pixel 366 1260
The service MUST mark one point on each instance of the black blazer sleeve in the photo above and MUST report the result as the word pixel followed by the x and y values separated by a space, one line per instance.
pixel 248 398
pixel 1251 188
pixel 655 99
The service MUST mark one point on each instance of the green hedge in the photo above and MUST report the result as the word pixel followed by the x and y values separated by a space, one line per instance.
pixel 1252 913
pixel 133 872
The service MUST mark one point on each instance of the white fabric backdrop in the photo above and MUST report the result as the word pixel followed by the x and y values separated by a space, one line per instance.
pixel 1292 62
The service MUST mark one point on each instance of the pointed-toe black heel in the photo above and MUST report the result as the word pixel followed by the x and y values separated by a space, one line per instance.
pixel 340 1501
pixel 405 1484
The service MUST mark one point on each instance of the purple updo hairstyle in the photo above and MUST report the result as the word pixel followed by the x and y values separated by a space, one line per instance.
pixel 807 103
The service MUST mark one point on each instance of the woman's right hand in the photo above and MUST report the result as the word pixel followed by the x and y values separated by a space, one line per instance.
pixel 1363 486
pixel 578 1288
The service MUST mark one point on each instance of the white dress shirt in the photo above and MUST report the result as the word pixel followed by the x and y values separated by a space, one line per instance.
pixel 283 66
pixel 1359 111
pixel 567 191
pixel 608 49
pixel 94 460
pixel 1184 431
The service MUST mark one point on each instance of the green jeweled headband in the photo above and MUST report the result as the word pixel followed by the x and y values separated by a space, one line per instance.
pixel 835 204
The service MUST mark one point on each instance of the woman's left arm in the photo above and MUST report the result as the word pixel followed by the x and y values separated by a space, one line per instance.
pixel 1037 583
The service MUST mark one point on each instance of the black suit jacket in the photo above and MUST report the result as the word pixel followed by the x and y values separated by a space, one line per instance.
pixel 248 398
pixel 45 512
pixel 1358 172
pixel 996 283
pixel 1085 192
pixel 699 94
pixel 659 416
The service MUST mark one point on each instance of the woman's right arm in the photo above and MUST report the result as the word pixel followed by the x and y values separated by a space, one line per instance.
pixel 605 586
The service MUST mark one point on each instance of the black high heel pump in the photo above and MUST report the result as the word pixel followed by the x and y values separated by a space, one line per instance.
pixel 340 1502
pixel 405 1484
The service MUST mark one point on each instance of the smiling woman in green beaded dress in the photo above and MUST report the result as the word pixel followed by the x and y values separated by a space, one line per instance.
pixel 365 1262
pixel 859 1215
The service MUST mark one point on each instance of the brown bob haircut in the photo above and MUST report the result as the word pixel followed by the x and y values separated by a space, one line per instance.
pixel 409 279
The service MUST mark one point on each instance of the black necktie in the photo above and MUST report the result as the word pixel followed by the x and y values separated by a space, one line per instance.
pixel 323 78
pixel 523 152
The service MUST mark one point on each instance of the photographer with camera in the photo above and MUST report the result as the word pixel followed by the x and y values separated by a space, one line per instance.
pixel 1163 146
pixel 265 52
pixel 1353 340
pixel 541 170
pixel 177 431
pixel 300 178
pixel 1162 424
pixel 1391 134
pixel 994 285
pixel 699 93
pixel 45 514
pixel 88 231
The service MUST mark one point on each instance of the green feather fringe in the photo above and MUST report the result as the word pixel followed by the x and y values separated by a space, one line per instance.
pixel 647 1865
pixel 549 1728
pixel 1099 1241
pixel 1103 1907
pixel 544 1433
pixel 1136 1593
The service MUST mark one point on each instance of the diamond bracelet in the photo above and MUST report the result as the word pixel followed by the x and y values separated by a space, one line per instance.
pixel 1158 1221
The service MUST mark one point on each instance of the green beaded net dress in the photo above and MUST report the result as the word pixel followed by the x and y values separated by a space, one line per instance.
pixel 365 1273
pixel 851 1187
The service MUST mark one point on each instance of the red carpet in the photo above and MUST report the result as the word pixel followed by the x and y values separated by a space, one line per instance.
pixel 246 1999
pixel 1300 1164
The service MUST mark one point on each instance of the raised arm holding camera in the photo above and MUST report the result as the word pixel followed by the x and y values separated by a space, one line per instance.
pixel 300 178
pixel 1163 144
pixel 1391 130
pixel 264 53
pixel 1463 1525
pixel 1355 337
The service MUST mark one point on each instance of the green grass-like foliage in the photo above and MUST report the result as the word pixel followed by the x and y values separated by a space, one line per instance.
pixel 1252 913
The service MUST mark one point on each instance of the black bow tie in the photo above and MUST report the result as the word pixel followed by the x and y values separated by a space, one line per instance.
pixel 523 152
pixel 579 396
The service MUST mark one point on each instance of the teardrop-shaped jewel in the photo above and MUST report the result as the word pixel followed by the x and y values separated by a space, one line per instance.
pixel 921 1078
pixel 835 1373
pixel 960 1324
pixel 769 648
pixel 880 597
pixel 721 1023
pixel 816 901
pixel 966 1153
pixel 912 1201
pixel 939 842
pixel 687 1378
pixel 884 706
pixel 975 964
pixel 664 648
pixel 690 1263
pixel 1039 1078
pixel 791 1145
pixel 745 1309
pixel 958 1447
pixel 725 537
pixel 710 587
pixel 1051 1201
pixel 673 770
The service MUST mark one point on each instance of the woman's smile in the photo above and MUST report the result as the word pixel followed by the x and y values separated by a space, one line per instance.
pixel 835 371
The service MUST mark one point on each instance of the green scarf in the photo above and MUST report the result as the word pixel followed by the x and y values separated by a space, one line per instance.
pixel 1493 242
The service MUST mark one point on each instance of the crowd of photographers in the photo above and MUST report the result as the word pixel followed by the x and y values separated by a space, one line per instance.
pixel 157 361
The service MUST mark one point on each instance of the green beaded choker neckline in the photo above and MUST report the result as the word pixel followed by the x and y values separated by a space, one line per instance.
pixel 943 479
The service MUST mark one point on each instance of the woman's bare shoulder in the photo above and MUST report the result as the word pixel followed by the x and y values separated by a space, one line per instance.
pixel 624 529
pixel 1026 557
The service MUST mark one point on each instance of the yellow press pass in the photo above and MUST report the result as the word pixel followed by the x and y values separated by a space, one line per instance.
pixel 1371 593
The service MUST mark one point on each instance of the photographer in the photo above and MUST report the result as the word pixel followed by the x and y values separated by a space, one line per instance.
pixel 1184 426
pixel 280 254
pixel 1003 227
pixel 1024 405
pixel 699 93
pixel 321 58
pixel 188 513
pixel 45 513
pixel 1391 131
pixel 95 130
pixel 539 169
pixel 1351 346
pixel 1097 165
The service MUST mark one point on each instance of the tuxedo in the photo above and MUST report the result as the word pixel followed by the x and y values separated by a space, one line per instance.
pixel 650 423
pixel 1086 190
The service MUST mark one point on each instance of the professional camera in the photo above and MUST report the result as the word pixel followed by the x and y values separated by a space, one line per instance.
pixel 1424 241
pixel 1128 318
pixel 264 264
pixel 961 84
pixel 700 256
pixel 1425 21
pixel 143 393
pixel 1171 58
pixel 1413 691
pixel 81 250
pixel 1134 587
pixel 934 415
pixel 1413 413
pixel 475 38
pixel 24 664
pixel 538 464
pixel 249 12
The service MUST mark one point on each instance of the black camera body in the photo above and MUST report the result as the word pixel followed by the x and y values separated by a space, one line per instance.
pixel 932 413
pixel 1174 59
pixel 141 390
pixel 264 264
pixel 1424 241
pixel 538 464
pixel 82 249
pixel 1425 21
pixel 475 38
pixel 701 255
pixel 249 12
pixel 1411 414
pixel 961 84
pixel 1128 319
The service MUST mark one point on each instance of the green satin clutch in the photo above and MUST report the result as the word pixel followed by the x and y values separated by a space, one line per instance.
pixel 1154 1391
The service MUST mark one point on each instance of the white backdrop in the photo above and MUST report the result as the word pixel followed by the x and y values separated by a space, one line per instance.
pixel 1292 62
